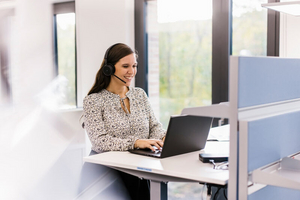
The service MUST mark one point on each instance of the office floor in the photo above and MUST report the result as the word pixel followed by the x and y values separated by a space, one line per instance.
pixel 188 191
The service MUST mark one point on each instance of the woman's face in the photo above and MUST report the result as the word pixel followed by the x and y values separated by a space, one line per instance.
pixel 126 69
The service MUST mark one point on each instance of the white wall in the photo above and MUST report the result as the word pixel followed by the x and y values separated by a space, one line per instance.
pixel 99 24
pixel 33 59
pixel 289 36
pixel 41 149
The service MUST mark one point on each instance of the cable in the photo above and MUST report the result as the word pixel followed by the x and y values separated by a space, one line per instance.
pixel 213 162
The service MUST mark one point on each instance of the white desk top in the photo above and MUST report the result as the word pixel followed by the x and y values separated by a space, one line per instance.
pixel 185 167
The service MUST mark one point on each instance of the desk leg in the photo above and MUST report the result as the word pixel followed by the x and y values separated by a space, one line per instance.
pixel 158 190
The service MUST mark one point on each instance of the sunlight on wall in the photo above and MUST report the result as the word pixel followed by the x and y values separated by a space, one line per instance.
pixel 35 135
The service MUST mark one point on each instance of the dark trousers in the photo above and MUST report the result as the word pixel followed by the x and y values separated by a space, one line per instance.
pixel 138 189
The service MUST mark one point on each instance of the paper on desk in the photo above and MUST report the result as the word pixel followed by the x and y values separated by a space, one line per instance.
pixel 220 133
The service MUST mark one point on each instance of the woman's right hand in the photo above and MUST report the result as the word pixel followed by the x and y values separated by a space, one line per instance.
pixel 148 143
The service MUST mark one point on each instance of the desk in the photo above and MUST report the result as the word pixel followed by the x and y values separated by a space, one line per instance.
pixel 182 168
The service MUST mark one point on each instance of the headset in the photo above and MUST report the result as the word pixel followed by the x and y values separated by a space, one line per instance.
pixel 108 69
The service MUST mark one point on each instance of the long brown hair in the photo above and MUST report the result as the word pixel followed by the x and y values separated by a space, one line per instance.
pixel 114 54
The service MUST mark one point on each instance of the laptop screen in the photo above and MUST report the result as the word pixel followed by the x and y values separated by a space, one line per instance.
pixel 185 134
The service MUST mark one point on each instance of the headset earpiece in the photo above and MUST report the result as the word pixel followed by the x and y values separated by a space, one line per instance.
pixel 108 69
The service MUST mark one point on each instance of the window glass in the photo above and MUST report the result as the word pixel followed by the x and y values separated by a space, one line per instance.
pixel 179 36
pixel 249 28
pixel 179 41
pixel 66 60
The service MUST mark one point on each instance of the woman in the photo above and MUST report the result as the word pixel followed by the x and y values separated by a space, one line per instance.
pixel 118 117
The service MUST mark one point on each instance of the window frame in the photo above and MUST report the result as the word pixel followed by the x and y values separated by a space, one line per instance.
pixel 140 40
pixel 273 31
pixel 63 8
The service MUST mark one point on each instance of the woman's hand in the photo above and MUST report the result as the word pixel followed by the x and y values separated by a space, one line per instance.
pixel 148 143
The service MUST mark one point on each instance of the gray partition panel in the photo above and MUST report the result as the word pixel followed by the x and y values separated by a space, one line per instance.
pixel 273 138
pixel 258 84
pixel 275 193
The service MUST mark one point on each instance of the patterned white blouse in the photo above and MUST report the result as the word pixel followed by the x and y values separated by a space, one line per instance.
pixel 110 128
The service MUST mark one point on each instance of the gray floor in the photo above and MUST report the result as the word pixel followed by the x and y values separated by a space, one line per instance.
pixel 193 191
pixel 188 191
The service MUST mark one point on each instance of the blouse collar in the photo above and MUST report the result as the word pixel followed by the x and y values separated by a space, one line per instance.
pixel 128 93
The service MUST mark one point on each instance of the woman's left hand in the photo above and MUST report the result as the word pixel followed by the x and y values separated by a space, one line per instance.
pixel 148 143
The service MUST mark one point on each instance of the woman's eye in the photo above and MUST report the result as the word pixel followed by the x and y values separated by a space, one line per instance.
pixel 125 66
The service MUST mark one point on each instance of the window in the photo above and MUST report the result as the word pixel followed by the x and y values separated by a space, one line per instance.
pixel 179 40
pixel 249 28
pixel 65 51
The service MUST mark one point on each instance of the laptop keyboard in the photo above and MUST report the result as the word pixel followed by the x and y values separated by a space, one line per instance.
pixel 157 150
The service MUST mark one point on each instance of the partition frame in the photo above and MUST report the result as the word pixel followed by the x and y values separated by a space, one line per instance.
pixel 242 117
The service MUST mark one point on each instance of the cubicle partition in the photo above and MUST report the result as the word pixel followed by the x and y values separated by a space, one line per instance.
pixel 264 116
pixel 265 104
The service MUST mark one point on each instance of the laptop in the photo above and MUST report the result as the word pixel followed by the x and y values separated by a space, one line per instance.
pixel 185 134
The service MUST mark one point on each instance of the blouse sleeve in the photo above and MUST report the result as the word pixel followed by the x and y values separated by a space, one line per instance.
pixel 156 130
pixel 94 126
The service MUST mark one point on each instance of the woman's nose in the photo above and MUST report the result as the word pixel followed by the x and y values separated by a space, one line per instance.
pixel 131 70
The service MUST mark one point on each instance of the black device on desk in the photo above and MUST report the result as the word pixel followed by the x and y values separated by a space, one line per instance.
pixel 185 134
pixel 206 157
